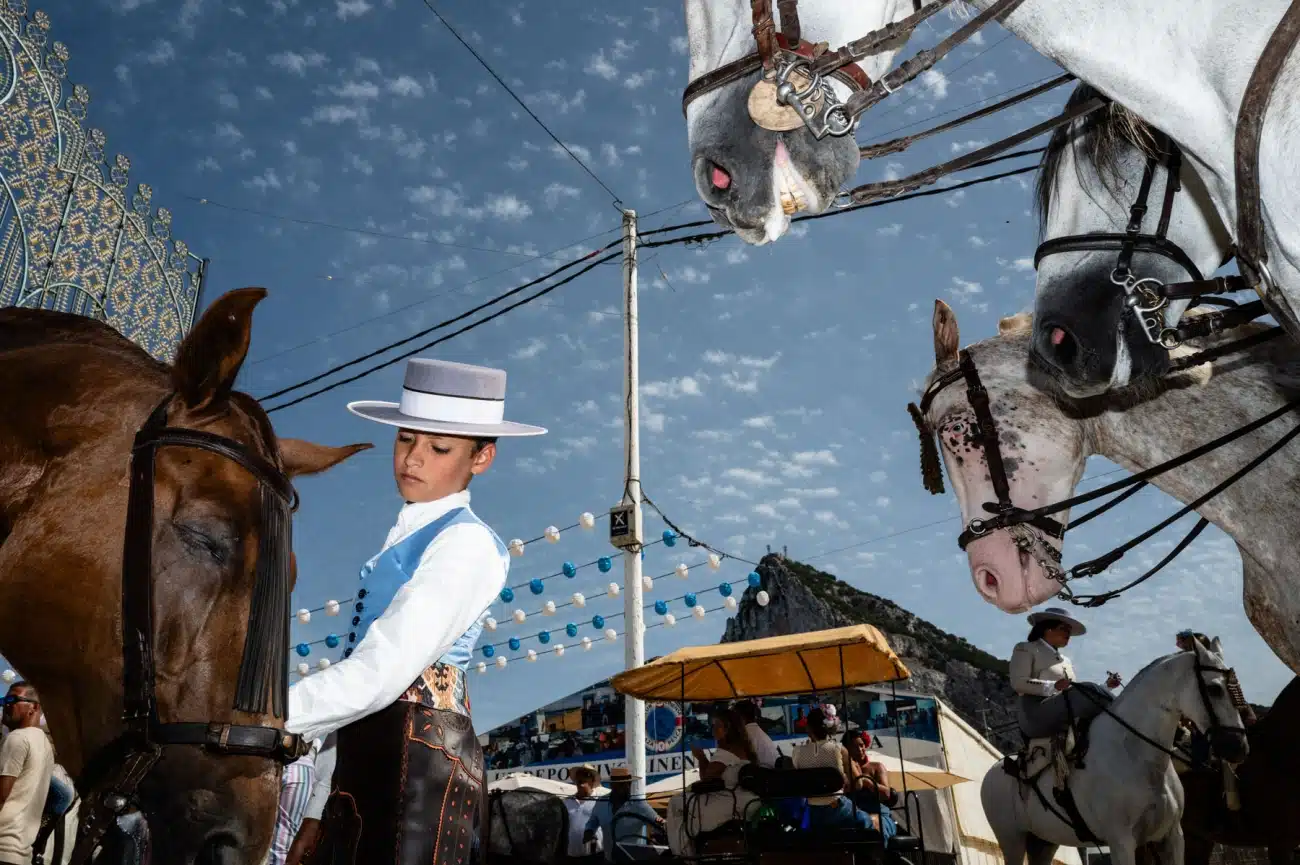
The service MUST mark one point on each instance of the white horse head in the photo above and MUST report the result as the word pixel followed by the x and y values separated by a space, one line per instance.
pixel 1208 703
pixel 1084 336
pixel 742 170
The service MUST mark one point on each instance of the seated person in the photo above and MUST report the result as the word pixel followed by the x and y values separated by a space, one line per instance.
pixel 607 815
pixel 868 784
pixel 765 751
pixel 836 811
pixel 692 814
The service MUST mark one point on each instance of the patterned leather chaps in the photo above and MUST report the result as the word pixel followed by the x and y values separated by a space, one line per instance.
pixel 409 788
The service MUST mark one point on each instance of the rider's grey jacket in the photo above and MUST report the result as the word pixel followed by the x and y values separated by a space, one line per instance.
pixel 1036 668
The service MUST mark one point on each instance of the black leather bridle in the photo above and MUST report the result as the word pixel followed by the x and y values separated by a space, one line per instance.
pixel 1147 297
pixel 112 776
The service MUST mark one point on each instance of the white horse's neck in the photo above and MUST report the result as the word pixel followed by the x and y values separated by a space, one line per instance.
pixel 1181 65
pixel 1149 705
pixel 1256 510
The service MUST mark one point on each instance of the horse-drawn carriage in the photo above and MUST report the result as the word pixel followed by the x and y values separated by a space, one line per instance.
pixel 764 822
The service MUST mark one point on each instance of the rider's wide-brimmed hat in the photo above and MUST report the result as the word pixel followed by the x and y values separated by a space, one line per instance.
pixel 446 398
pixel 1077 628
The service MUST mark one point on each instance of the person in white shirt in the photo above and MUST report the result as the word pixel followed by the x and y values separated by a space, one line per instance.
pixel 1044 678
pixel 409 779
pixel 26 764
pixel 765 752
pixel 580 806
pixel 323 757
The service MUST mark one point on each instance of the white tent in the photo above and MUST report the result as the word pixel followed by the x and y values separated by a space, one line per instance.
pixel 525 781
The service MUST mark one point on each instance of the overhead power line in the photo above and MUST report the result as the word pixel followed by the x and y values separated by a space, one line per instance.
pixel 452 30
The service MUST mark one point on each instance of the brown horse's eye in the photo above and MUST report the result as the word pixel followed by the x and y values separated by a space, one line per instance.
pixel 201 543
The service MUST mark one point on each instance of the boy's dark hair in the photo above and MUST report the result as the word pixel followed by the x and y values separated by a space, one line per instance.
pixel 479 444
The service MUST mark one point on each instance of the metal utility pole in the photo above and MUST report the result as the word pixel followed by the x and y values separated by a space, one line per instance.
pixel 634 710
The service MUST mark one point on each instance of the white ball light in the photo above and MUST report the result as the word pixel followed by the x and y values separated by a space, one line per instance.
pixel 763 598
pixel 670 619
pixel 611 634
pixel 586 644
pixel 490 623
pixel 303 669
pixel 587 521
pixel 331 608
pixel 552 534
pixel 729 602
pixel 519 616
pixel 323 663
pixel 579 599
pixel 501 662
pixel 482 666
pixel 559 650
pixel 613 590
pixel 549 609
pixel 715 561
pixel 516 547
pixel 698 611
pixel 647 584
pixel 682 571
pixel 8 676
pixel 304 616
pixel 532 654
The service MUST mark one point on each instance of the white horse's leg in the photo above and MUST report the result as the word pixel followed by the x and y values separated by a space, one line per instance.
pixel 1171 848
pixel 1040 851
pixel 998 796
pixel 1124 852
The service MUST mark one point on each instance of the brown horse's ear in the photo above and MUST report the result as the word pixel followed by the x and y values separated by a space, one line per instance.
pixel 210 356
pixel 307 458
pixel 945 333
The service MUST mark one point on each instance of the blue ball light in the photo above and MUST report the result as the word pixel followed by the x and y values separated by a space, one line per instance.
pixel 489 651
pixel 725 590
pixel 598 622
pixel 670 538
pixel 507 595
pixel 514 644
pixel 332 641
pixel 544 637
pixel 755 581
pixel 661 608
pixel 303 650
pixel 570 570
pixel 691 600
pixel 571 630
pixel 536 586
pixel 605 563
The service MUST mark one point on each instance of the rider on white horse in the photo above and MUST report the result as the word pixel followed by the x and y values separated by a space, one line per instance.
pixel 1041 675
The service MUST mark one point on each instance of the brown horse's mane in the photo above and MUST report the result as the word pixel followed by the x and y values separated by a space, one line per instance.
pixel 26 328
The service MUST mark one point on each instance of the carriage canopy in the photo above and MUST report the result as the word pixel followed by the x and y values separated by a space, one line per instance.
pixel 822 661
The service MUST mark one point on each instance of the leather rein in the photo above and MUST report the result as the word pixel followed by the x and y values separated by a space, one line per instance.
pixel 112 776
pixel 1007 515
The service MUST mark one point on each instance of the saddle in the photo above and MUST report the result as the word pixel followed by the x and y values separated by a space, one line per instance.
pixel 1060 753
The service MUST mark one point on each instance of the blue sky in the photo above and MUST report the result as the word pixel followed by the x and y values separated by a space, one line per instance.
pixel 774 379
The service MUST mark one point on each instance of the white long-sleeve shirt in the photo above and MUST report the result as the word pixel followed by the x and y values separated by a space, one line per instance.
pixel 1036 668
pixel 324 757
pixel 457 579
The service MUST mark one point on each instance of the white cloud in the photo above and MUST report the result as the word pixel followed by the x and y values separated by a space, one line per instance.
pixel 358 90
pixel 894 229
pixel 818 493
pixel 976 241
pixel 335 114
pixel 600 65
pixel 529 350
pixel 405 85
pixel 162 53
pixel 765 510
pixel 762 422
pixel 968 144
pixel 749 476
pixel 351 8
pixel 439 199
pixel 935 82
pixel 815 458
pixel 229 132
pixel 878 477
pixel 1023 264
pixel 830 518
pixel 298 64
pixel 672 388
pixel 557 192
pixel 964 288
pixel 679 44
pixel 508 208
pixel 882 501
pixel 737 255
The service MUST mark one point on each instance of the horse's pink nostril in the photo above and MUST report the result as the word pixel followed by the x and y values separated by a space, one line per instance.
pixel 1058 336
pixel 720 178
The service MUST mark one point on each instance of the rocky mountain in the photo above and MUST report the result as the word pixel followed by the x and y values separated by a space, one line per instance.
pixel 970 681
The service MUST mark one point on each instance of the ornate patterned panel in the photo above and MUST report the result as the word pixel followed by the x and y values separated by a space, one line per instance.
pixel 73 237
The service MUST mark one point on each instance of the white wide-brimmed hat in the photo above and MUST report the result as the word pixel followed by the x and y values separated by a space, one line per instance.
pixel 446 398
pixel 1077 627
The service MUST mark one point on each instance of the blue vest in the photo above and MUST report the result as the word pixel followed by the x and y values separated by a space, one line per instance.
pixel 382 576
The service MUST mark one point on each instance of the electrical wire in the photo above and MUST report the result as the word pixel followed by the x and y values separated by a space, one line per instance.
pixel 618 202
pixel 471 326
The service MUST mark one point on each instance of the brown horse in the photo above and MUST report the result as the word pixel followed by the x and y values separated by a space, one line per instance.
pixel 74 394
pixel 1270 795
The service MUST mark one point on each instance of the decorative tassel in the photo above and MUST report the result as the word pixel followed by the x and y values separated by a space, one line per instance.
pixel 931 468
pixel 263 674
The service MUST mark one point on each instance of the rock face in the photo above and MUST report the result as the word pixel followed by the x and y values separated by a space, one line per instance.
pixel 970 681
